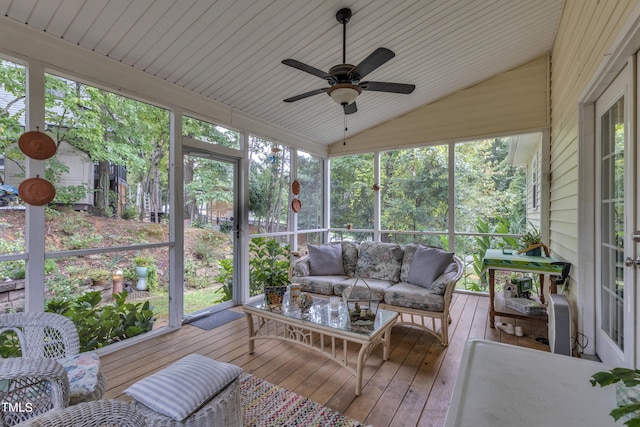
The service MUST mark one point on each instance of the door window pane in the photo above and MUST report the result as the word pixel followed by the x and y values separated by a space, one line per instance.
pixel 612 225
pixel 209 209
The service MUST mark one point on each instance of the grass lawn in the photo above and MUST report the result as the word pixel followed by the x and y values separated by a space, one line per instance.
pixel 194 300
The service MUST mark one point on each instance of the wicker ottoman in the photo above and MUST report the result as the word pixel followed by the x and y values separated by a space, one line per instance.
pixel 194 391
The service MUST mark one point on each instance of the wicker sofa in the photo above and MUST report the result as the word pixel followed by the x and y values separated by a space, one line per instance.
pixel 416 281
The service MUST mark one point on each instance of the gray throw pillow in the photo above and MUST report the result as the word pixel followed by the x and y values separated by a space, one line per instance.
pixel 428 263
pixel 325 260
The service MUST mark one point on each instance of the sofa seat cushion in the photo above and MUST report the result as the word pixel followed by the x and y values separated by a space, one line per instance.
pixel 322 285
pixel 380 261
pixel 378 287
pixel 405 294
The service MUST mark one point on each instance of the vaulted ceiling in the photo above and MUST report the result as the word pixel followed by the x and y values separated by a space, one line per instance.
pixel 231 50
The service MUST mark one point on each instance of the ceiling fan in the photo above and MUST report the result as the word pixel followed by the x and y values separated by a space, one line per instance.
pixel 345 79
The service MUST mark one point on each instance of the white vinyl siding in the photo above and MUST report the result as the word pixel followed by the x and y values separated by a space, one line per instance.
pixel 585 35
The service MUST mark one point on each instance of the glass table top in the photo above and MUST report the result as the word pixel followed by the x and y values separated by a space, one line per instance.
pixel 323 314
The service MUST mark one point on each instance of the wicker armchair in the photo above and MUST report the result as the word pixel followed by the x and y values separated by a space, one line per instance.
pixel 90 414
pixel 36 378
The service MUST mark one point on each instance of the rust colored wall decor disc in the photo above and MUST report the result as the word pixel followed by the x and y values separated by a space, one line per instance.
pixel 296 205
pixel 36 191
pixel 295 187
pixel 37 145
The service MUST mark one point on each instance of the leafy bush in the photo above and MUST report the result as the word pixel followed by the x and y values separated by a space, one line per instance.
pixel 130 213
pixel 9 345
pixel 73 223
pixel 70 194
pixel 101 325
pixel 226 278
pixel 62 286
pixel 78 241
pixel 12 269
pixel 207 246
pixel 226 227
pixel 268 264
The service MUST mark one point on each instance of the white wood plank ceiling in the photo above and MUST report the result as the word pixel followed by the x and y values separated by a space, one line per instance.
pixel 231 50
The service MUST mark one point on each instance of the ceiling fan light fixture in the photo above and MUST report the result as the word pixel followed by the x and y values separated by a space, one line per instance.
pixel 344 93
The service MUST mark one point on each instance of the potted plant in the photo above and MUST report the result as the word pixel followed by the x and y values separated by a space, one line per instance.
pixel 143 263
pixel 269 268
pixel 532 242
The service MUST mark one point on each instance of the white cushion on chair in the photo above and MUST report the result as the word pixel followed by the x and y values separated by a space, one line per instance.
pixel 181 388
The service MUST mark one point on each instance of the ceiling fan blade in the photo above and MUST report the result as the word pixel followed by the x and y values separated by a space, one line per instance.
pixel 350 108
pixel 373 61
pixel 306 68
pixel 305 95
pixel 387 87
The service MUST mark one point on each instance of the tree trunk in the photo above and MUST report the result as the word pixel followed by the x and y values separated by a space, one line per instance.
pixel 102 192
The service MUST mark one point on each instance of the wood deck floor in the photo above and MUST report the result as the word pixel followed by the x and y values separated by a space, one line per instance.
pixel 412 388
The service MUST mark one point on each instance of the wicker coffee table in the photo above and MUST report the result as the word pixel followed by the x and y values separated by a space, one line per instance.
pixel 324 329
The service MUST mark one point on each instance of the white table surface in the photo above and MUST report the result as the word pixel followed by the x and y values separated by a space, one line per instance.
pixel 503 385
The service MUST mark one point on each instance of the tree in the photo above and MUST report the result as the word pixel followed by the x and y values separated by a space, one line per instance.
pixel 269 184
pixel 351 191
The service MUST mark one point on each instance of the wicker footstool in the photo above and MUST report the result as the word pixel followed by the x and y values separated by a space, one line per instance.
pixel 194 391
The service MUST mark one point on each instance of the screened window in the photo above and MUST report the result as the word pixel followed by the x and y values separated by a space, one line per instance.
pixel 269 182
pixel 12 166
pixel 311 180
pixel 209 132
pixel 415 189
pixel 487 187
pixel 351 191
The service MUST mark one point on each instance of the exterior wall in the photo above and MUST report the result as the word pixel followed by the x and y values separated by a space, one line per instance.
pixel 533 197
pixel 80 170
pixel 585 35
pixel 584 40
pixel 513 102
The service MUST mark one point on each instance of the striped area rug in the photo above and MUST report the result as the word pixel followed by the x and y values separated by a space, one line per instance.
pixel 265 405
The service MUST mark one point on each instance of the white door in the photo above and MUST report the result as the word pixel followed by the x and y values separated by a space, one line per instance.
pixel 615 224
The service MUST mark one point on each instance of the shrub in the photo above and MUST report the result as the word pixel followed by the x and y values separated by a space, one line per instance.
pixel 226 278
pixel 207 246
pixel 78 241
pixel 62 286
pixel 130 213
pixel 99 326
pixel 73 223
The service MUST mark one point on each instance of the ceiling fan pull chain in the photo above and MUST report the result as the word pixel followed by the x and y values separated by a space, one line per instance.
pixel 344 137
